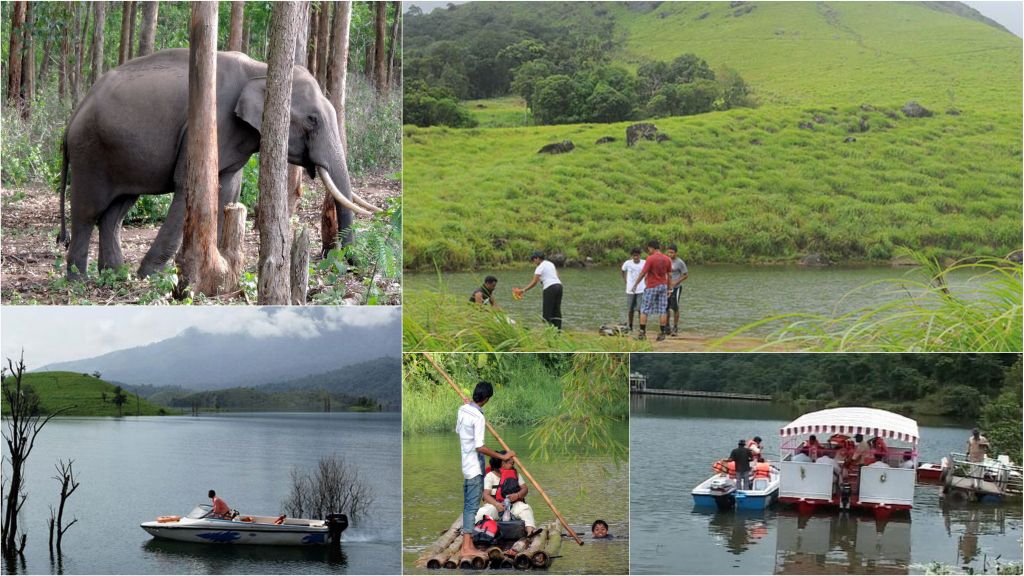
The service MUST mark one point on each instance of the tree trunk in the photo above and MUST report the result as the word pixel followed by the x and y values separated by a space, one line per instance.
pixel 314 31
pixel 99 19
pixel 300 266
pixel 368 62
pixel 235 31
pixel 380 66
pixel 393 42
pixel 14 53
pixel 28 63
pixel 301 40
pixel 324 43
pixel 44 64
pixel 273 221
pixel 245 37
pixel 65 53
pixel 126 33
pixel 338 71
pixel 147 36
pixel 201 262
pixel 132 52
pixel 76 86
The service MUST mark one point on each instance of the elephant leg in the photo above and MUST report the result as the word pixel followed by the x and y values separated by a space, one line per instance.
pixel 168 239
pixel 230 191
pixel 110 232
pixel 83 218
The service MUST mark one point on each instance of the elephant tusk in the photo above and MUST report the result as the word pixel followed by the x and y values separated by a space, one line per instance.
pixel 359 200
pixel 338 196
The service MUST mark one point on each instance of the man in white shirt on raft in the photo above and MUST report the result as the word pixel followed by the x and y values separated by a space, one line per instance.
pixel 552 286
pixel 471 427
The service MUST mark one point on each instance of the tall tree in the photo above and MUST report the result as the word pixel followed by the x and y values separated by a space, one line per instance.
pixel 201 261
pixel 393 41
pixel 82 11
pixel 301 43
pixel 132 52
pixel 147 35
pixel 28 62
pixel 125 49
pixel 63 78
pixel 99 21
pixel 324 42
pixel 14 53
pixel 330 214
pixel 380 66
pixel 273 221
pixel 313 33
pixel 235 31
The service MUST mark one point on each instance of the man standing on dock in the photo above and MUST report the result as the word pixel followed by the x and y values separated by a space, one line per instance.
pixel 471 427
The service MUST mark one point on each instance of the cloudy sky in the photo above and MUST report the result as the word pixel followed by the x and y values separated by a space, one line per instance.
pixel 55 334
pixel 1009 13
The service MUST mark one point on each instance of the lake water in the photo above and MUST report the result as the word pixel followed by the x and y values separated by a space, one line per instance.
pixel 134 469
pixel 584 490
pixel 675 440
pixel 716 299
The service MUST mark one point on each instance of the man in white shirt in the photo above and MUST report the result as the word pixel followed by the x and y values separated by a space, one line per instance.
pixel 630 270
pixel 471 428
pixel 546 274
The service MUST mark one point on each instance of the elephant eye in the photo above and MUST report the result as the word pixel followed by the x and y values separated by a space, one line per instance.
pixel 312 120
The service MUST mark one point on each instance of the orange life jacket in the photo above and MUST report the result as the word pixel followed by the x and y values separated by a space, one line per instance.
pixel 506 475
pixel 719 467
pixel 762 470
pixel 731 469
pixel 880 447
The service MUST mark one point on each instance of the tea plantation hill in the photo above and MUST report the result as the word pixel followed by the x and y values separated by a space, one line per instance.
pixel 86 395
pixel 827 163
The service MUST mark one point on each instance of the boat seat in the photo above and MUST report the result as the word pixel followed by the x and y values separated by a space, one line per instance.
pixel 759 484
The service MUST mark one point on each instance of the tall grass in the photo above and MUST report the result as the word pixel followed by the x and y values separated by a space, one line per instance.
pixel 983 314
pixel 441 322
pixel 373 127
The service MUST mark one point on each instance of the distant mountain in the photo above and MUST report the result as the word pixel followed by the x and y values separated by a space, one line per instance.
pixel 380 379
pixel 201 361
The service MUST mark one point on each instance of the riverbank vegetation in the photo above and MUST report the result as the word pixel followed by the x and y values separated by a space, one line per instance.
pixel 570 401
pixel 440 322
pixel 979 389
pixel 84 395
pixel 933 311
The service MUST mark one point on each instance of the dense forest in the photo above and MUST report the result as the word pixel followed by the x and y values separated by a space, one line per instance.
pixel 557 57
pixel 980 388
pixel 53 55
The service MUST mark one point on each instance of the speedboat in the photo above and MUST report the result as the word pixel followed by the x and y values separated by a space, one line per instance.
pixel 200 525
pixel 720 491
pixel 931 472
pixel 832 478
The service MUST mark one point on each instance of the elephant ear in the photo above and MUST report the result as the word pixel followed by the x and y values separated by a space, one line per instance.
pixel 250 103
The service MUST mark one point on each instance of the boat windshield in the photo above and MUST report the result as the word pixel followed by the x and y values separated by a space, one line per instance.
pixel 200 511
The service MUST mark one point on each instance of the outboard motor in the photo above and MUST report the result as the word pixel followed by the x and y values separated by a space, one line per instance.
pixel 844 495
pixel 724 493
pixel 336 524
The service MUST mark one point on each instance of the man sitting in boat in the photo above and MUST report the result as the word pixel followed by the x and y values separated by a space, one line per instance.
pixel 220 507
pixel 863 454
pixel 741 456
pixel 908 461
pixel 813 448
pixel 504 489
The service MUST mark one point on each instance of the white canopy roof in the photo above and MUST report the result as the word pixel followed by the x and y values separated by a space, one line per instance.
pixel 867 421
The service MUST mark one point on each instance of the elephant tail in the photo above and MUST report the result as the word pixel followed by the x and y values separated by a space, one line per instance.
pixel 62 236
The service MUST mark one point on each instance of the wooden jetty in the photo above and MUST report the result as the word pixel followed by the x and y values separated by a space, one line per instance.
pixel 537 552
pixel 702 394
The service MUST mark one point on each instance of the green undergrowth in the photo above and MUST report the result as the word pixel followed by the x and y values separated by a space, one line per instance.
pixel 82 395
pixel 440 322
pixel 503 112
pixel 739 186
pixel 927 314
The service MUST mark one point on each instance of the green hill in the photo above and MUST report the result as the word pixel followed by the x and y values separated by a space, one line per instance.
pixel 751 185
pixel 83 394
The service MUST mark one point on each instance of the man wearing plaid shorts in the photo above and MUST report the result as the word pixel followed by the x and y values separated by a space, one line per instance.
pixel 655 275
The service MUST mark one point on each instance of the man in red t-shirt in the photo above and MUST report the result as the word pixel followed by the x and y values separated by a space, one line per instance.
pixel 655 274
pixel 220 507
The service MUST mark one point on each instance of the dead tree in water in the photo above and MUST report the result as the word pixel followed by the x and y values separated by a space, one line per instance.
pixel 333 486
pixel 21 426
pixel 68 485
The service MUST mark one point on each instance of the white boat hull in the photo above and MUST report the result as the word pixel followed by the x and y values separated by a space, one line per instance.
pixel 261 531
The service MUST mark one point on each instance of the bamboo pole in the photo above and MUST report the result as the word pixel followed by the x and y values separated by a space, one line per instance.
pixel 554 544
pixel 452 562
pixel 441 560
pixel 441 543
pixel 515 459
pixel 524 560
pixel 538 556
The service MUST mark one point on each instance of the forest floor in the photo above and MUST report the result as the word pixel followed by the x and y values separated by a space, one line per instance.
pixel 32 264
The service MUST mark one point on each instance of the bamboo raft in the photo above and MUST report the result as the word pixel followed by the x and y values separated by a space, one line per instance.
pixel 525 554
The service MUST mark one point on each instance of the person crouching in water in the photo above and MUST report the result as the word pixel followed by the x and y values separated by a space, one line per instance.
pixel 504 490
pixel 484 295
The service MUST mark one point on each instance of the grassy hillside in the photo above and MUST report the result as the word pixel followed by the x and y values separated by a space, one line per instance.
pixel 759 185
pixel 499 112
pixel 84 394
pixel 733 186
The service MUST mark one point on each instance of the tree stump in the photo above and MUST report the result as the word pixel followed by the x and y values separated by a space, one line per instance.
pixel 300 266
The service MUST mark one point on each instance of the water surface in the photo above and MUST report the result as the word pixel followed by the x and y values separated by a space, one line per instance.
pixel 583 491
pixel 716 299
pixel 134 469
pixel 675 440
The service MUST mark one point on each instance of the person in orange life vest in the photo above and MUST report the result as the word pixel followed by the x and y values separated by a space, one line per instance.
pixel 220 507
pixel 755 448
pixel 881 450
pixel 504 489
pixel 845 459
pixel 762 470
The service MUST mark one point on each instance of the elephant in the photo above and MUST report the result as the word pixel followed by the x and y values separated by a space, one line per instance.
pixel 127 138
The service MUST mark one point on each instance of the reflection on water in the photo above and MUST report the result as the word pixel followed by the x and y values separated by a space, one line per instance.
pixel 203 558
pixel 716 298
pixel 583 492
pixel 683 539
